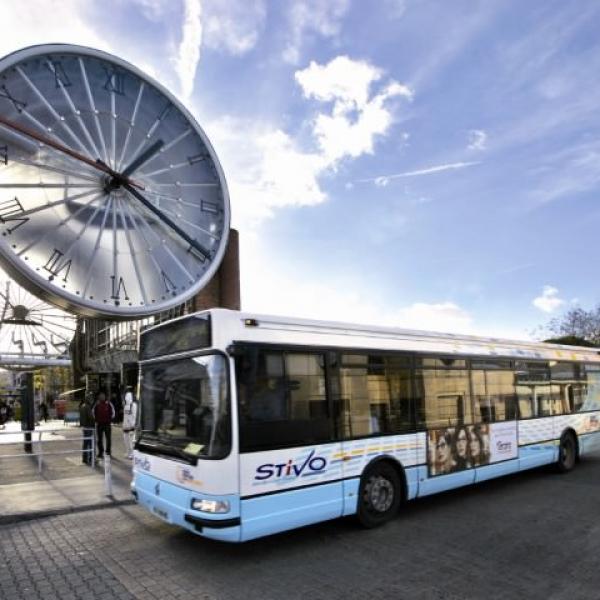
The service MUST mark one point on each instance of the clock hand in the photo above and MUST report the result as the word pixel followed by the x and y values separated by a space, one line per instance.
pixel 97 164
pixel 182 234
pixel 143 158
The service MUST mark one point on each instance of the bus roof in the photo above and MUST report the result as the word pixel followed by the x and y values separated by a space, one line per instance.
pixel 237 326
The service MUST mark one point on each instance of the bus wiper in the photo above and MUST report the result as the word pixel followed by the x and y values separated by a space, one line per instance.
pixel 156 446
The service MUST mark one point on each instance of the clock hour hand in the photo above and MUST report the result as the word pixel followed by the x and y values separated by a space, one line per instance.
pixel 47 141
pixel 143 158
pixel 167 221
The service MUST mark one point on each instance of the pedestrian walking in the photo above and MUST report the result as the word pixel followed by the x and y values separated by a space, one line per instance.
pixel 86 422
pixel 44 410
pixel 129 420
pixel 104 413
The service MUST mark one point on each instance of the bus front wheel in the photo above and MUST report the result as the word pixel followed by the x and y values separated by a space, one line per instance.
pixel 379 495
pixel 567 453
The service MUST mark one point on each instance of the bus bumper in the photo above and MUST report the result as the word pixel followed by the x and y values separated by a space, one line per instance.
pixel 173 504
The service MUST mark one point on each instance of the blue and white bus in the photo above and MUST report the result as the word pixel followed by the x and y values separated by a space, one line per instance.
pixel 251 425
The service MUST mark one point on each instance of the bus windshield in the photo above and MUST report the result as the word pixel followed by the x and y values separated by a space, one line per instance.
pixel 185 408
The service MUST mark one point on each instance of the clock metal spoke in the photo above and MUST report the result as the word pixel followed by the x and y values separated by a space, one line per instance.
pixel 90 97
pixel 74 110
pixel 161 195
pixel 113 130
pixel 90 269
pixel 37 209
pixel 60 224
pixel 25 186
pixel 139 274
pixel 185 184
pixel 177 139
pixel 185 163
pixel 52 111
pixel 153 128
pixel 53 169
pixel 114 237
pixel 131 124
pixel 82 230
pixel 208 233
pixel 159 242
pixel 194 244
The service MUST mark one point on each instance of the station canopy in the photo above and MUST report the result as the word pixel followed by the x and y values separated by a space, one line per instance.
pixel 32 333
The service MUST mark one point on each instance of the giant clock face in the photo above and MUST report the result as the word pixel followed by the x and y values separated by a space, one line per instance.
pixel 112 200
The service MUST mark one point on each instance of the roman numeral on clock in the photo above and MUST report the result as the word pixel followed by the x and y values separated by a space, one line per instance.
pixel 169 285
pixel 9 213
pixel 60 76
pixel 4 154
pixel 17 103
pixel 56 265
pixel 115 81
pixel 116 288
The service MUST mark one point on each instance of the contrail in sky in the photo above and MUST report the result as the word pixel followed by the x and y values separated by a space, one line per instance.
pixel 384 179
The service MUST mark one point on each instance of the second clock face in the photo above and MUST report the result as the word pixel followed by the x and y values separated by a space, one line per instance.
pixel 126 244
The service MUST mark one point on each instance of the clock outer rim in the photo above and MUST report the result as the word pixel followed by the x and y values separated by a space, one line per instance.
pixel 38 285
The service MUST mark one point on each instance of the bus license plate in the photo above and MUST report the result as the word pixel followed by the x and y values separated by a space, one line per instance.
pixel 163 514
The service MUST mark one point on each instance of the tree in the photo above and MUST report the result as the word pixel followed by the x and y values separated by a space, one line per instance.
pixel 576 327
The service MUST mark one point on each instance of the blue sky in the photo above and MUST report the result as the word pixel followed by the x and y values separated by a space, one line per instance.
pixel 428 164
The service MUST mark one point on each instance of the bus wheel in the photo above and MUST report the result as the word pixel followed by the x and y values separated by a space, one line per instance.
pixel 379 495
pixel 567 453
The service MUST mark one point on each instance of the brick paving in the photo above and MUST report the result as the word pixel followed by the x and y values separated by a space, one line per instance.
pixel 535 535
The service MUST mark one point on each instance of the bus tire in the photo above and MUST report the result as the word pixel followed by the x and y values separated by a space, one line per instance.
pixel 379 495
pixel 567 452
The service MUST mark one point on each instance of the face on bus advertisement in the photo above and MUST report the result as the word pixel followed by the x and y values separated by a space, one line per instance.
pixel 453 449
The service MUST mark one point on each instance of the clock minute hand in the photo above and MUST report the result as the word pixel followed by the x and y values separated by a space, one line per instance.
pixel 182 234
pixel 40 137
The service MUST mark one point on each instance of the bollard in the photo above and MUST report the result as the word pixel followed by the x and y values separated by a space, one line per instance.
pixel 107 476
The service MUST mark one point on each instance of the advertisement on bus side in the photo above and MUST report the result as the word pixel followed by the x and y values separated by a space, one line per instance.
pixel 454 449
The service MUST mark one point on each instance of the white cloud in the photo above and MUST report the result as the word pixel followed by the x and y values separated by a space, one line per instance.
pixel 356 117
pixel 266 170
pixel 188 55
pixel 385 179
pixel 233 26
pixel 548 301
pixel 477 139
pixel 312 16
pixel 282 290
pixel 34 22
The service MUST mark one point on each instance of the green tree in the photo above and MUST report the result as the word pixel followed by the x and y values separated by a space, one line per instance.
pixel 577 326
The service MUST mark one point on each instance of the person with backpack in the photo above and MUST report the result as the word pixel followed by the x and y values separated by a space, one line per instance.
pixel 104 413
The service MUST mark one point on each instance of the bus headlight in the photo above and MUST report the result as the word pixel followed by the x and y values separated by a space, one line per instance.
pixel 211 506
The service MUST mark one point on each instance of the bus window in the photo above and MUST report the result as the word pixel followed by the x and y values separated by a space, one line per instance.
pixel 282 399
pixel 376 395
pixel 590 391
pixel 444 397
pixel 534 390
pixel 493 396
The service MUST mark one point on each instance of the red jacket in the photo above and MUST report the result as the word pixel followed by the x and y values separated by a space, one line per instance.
pixel 104 412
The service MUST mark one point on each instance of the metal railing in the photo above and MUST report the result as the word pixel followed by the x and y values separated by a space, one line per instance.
pixel 37 446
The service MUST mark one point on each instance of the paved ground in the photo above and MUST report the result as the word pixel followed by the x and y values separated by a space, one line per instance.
pixel 64 483
pixel 529 536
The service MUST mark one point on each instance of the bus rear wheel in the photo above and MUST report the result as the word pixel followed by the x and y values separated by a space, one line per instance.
pixel 567 453
pixel 379 495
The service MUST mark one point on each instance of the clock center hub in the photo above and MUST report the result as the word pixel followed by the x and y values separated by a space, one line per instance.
pixel 112 184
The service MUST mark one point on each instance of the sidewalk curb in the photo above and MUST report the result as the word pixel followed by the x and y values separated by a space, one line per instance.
pixel 53 512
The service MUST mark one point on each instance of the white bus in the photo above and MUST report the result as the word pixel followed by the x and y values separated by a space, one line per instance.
pixel 251 424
